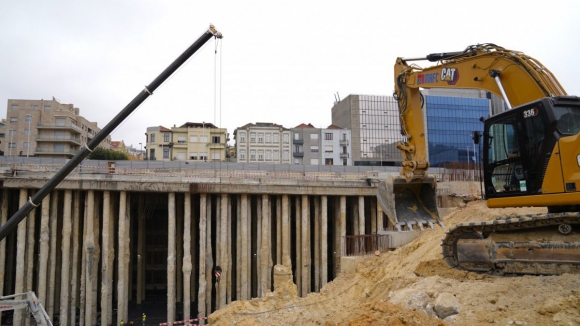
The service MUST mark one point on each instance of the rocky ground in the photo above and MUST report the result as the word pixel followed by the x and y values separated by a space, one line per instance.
pixel 414 286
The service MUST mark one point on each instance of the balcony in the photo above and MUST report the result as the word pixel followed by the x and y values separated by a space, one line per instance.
pixel 298 141
pixel 216 146
pixel 55 152
pixel 343 155
pixel 298 154
pixel 343 142
pixel 62 139
pixel 59 126
pixel 91 134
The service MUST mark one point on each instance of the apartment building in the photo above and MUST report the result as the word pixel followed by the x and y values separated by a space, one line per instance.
pixel 193 141
pixel 47 128
pixel 263 142
pixel 2 135
pixel 321 146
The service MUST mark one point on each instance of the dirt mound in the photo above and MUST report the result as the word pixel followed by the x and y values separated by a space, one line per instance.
pixel 414 286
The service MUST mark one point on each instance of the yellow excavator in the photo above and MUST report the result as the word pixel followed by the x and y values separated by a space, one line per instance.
pixel 531 157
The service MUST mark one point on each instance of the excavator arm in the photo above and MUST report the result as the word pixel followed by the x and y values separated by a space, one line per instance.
pixel 410 199
pixel 511 75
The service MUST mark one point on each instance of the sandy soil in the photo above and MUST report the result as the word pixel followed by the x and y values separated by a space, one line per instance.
pixel 403 287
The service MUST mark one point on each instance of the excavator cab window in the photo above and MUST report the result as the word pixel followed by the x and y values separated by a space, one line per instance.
pixel 568 120
pixel 504 159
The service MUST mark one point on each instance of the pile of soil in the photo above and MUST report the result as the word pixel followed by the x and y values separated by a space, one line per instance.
pixel 405 287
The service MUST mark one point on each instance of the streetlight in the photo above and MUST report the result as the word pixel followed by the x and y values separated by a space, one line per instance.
pixel 28 149
pixel 141 150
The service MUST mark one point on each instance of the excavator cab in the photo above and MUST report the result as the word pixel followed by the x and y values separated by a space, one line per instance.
pixel 529 150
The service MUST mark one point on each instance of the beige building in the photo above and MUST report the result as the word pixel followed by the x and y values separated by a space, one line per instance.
pixel 192 141
pixel 46 128
pixel 262 142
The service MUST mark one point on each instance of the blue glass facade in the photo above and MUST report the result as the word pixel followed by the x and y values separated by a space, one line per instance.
pixel 450 125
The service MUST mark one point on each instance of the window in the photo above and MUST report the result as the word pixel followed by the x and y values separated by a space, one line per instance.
pixel 193 156
pixel 252 137
pixel 203 156
pixel 242 137
pixel 296 161
pixel 261 155
pixel 286 155
pixel 343 136
pixel 27 131
pixel 166 138
pixel 242 154
pixel 260 138
pixel 47 108
pixel 14 107
pixel 328 149
pixel 314 161
pixel 152 138
pixel 181 140
pixel 276 137
pixel 28 118
pixel 314 149
pixel 286 138
pixel 59 148
pixel 268 138
pixel 11 145
pixel 296 148
pixel 296 136
pixel 35 107
pixel 328 161
pixel 268 155
pixel 12 133
pixel 13 120
pixel 181 156
pixel 215 139
pixel 215 156
pixel 276 155
pixel 165 152
pixel 152 154
pixel 328 136
pixel 252 155
pixel 314 136
pixel 193 139
pixel 344 161
pixel 60 122
pixel 203 139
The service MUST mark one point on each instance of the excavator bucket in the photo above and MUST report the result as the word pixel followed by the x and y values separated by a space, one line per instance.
pixel 409 203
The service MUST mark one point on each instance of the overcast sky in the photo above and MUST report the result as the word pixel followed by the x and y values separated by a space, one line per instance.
pixel 279 61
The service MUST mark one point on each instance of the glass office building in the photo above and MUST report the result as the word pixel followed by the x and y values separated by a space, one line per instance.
pixel 451 122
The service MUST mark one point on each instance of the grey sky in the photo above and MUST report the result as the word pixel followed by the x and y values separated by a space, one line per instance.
pixel 281 61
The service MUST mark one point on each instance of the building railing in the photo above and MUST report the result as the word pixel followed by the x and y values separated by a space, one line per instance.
pixel 298 141
pixel 343 142
pixel 58 138
pixel 298 154
pixel 59 125
pixel 366 244
pixel 52 150
pixel 343 155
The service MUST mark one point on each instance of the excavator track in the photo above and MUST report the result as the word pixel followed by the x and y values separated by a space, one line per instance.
pixel 542 244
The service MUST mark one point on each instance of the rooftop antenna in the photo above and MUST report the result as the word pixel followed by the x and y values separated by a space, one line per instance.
pixel 337 95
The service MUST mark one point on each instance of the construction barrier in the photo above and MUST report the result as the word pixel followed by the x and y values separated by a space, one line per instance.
pixel 183 322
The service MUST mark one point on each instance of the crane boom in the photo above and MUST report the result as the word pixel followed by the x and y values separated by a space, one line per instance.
pixel 35 200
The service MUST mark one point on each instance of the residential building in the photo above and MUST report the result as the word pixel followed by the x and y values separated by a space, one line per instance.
pixel 47 128
pixel 263 142
pixel 118 146
pixel 375 128
pixel 2 135
pixel 192 141
pixel 321 146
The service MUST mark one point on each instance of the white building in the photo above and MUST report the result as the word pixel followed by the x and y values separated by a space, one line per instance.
pixel 263 142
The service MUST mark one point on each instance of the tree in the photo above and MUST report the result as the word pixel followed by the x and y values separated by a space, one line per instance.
pixel 100 153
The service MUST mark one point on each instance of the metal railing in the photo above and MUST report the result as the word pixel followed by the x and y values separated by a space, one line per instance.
pixel 59 125
pixel 366 244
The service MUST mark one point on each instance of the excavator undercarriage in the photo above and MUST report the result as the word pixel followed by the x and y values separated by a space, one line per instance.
pixel 543 244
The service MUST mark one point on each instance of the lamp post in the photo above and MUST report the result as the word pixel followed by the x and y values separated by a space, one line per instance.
pixel 141 150
pixel 202 137
pixel 29 120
